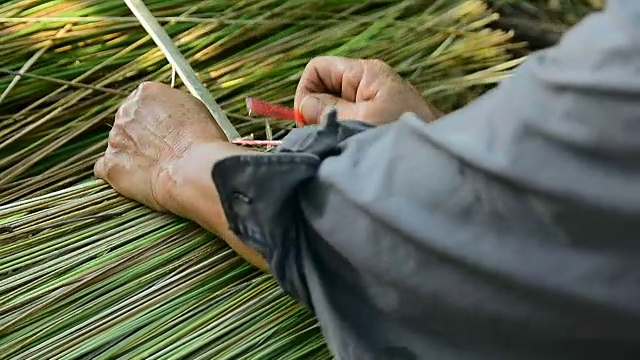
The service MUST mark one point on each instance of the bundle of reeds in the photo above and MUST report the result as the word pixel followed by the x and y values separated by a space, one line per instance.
pixel 85 273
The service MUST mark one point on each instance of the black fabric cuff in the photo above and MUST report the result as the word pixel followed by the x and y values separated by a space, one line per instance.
pixel 259 195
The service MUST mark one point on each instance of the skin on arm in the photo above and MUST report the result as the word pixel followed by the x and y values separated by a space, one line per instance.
pixel 164 143
pixel 192 194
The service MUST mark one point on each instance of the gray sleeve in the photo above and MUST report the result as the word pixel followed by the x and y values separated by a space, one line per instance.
pixel 566 116
pixel 260 197
pixel 484 229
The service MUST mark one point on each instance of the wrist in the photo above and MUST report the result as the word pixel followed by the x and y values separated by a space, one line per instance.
pixel 188 187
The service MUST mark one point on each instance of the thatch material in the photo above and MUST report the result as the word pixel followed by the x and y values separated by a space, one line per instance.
pixel 85 273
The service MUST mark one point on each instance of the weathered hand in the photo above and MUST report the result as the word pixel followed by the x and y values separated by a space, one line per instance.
pixel 155 130
pixel 365 90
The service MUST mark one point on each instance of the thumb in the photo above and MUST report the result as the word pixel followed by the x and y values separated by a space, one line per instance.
pixel 312 107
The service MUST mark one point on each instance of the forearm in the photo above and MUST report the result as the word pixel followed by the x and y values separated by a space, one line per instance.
pixel 193 194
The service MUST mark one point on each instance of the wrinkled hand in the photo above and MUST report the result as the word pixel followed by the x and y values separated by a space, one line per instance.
pixel 365 90
pixel 155 129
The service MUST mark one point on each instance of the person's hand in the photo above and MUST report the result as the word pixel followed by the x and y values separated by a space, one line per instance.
pixel 161 151
pixel 155 129
pixel 365 90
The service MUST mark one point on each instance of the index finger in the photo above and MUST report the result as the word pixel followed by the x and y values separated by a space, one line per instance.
pixel 332 75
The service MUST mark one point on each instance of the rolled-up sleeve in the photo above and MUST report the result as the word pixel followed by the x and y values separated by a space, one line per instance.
pixel 401 247
pixel 508 229
pixel 260 196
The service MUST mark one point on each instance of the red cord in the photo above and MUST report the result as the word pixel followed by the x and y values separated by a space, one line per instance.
pixel 279 112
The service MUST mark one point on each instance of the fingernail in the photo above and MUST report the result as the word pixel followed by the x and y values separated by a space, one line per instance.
pixel 310 108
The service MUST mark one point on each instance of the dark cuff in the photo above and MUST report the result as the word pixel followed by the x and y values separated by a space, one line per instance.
pixel 259 195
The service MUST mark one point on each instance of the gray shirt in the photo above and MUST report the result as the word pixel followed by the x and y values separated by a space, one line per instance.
pixel 509 229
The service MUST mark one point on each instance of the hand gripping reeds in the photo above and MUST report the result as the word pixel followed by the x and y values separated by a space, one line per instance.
pixel 181 65
pixel 195 87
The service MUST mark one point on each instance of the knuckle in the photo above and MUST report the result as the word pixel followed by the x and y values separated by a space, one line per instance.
pixel 109 154
pixel 117 138
pixel 313 63
pixel 103 167
pixel 379 64
pixel 114 143
pixel 146 86
pixel 120 114
pixel 98 167
pixel 321 61
pixel 317 59
pixel 128 109
pixel 149 87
